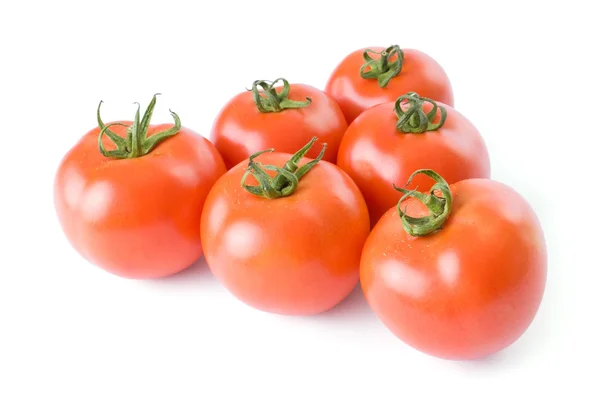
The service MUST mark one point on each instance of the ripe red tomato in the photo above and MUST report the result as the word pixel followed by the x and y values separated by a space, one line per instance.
pixel 389 141
pixel 134 210
pixel 288 239
pixel 375 75
pixel 280 117
pixel 461 278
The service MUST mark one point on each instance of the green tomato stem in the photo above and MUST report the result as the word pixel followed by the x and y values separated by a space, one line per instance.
pixel 136 143
pixel 439 207
pixel 286 181
pixel 414 120
pixel 268 100
pixel 382 69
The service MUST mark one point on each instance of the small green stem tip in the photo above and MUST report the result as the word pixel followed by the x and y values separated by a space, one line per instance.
pixel 414 119
pixel 136 143
pixel 382 69
pixel 268 100
pixel 439 207
pixel 285 182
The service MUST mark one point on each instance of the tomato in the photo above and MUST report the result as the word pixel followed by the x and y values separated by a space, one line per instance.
pixel 371 76
pixel 134 209
pixel 389 141
pixel 287 240
pixel 280 117
pixel 462 277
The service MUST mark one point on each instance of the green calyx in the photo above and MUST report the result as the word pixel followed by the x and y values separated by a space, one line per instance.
pixel 439 207
pixel 414 119
pixel 136 143
pixel 381 68
pixel 286 181
pixel 269 100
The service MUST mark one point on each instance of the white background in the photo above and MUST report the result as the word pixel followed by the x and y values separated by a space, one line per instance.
pixel 525 73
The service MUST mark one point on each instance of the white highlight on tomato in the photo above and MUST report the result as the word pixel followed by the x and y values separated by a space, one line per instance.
pixel 243 240
pixel 404 279
pixel 368 158
pixel 217 215
pixel 97 201
pixel 73 187
pixel 448 267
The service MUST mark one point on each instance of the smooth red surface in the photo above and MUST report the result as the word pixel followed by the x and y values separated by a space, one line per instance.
pixel 420 73
pixel 376 155
pixel 241 130
pixel 295 255
pixel 137 218
pixel 468 290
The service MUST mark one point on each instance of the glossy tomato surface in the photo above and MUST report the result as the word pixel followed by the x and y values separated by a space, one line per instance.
pixel 241 130
pixel 467 290
pixel 376 155
pixel 296 255
pixel 420 73
pixel 137 218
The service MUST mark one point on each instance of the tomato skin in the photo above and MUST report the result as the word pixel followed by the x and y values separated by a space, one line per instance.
pixel 137 218
pixel 467 290
pixel 296 255
pixel 376 155
pixel 420 73
pixel 241 130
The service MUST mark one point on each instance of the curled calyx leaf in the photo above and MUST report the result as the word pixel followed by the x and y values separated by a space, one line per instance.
pixel 414 119
pixel 136 143
pixel 269 100
pixel 286 181
pixel 439 206
pixel 382 68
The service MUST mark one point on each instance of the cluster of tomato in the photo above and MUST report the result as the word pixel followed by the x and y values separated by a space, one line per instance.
pixel 301 193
